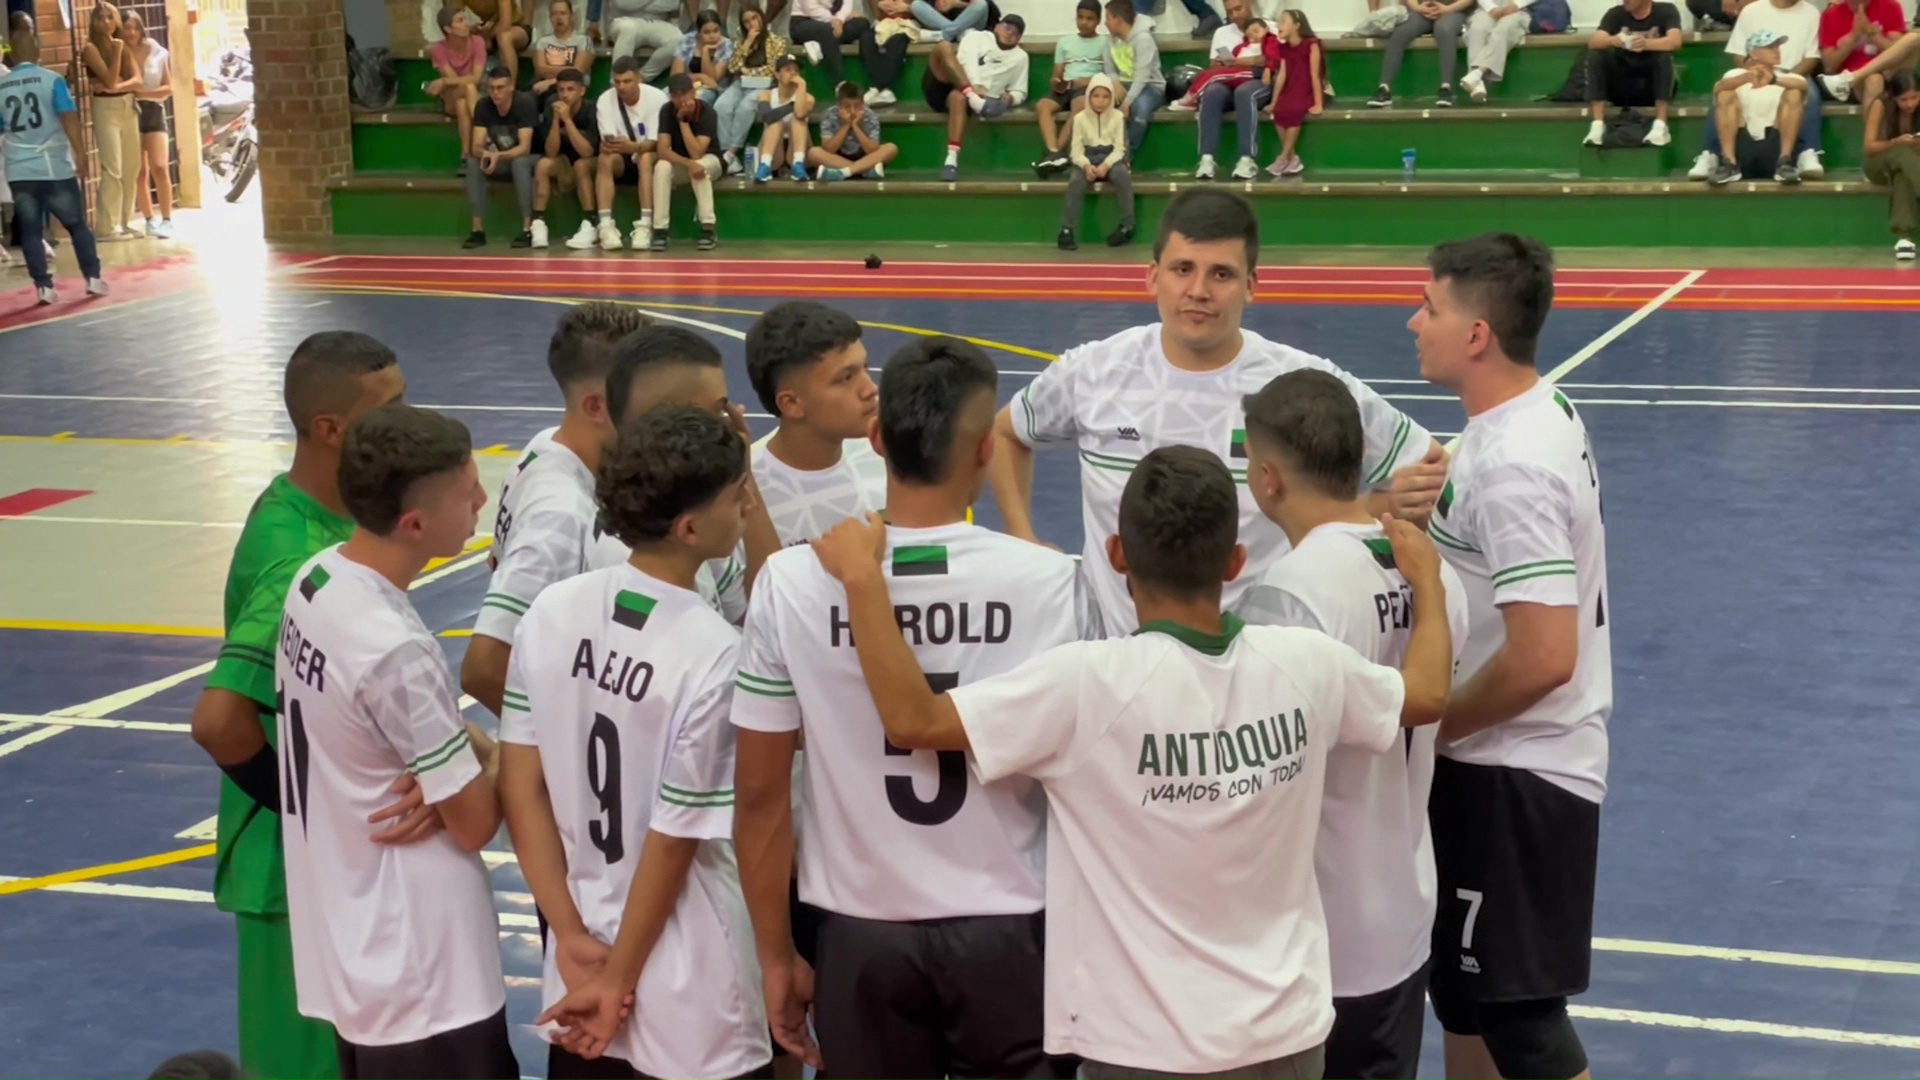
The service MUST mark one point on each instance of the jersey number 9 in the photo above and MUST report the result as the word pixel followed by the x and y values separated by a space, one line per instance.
pixel 603 779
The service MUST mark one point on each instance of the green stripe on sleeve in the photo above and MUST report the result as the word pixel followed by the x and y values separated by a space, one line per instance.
pixel 505 602
pixel 1567 571
pixel 438 755
pixel 1385 468
pixel 1526 569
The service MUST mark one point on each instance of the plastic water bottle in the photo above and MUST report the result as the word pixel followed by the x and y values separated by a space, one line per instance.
pixel 1406 164
pixel 753 162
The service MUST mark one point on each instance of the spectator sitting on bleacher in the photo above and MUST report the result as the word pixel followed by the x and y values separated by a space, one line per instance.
pixel 771 11
pixel 628 116
pixel 784 110
pixel 1099 152
pixel 507 27
pixel 752 66
pixel 688 131
pixel 565 48
pixel 1792 30
pixel 850 140
pixel 1206 22
pixel 1133 60
pixel 1896 54
pixel 1757 109
pixel 703 54
pixel 822 26
pixel 461 61
pixel 985 74
pixel 1893 155
pixel 637 24
pixel 1299 88
pixel 1493 30
pixel 1076 59
pixel 1630 64
pixel 951 19
pixel 1245 54
pixel 502 148
pixel 885 52
pixel 1715 14
pixel 568 140
pixel 1444 19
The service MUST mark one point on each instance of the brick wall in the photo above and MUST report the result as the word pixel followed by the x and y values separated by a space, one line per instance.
pixel 57 54
pixel 301 109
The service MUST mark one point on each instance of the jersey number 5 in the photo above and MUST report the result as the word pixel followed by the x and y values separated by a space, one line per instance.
pixel 603 779
pixel 953 775
pixel 293 802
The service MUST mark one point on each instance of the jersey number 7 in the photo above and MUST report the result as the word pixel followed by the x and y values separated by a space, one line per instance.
pixel 952 792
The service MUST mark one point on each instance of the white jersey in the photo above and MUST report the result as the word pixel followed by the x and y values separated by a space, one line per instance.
pixel 1520 519
pixel 392 943
pixel 1183 774
pixel 805 504
pixel 1374 854
pixel 1119 399
pixel 547 529
pixel 623 682
pixel 888 833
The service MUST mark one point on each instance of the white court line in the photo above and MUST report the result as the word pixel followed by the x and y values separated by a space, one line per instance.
pixel 56 519
pixel 29 739
pixel 1845 406
pixel 121 311
pixel 64 722
pixel 1635 318
pixel 1758 956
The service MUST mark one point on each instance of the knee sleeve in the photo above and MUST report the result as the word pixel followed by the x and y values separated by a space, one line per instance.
pixel 1532 1038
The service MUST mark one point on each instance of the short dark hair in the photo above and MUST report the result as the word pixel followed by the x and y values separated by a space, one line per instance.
pixel 1179 520
pixel 789 336
pixel 1087 5
pixel 1122 10
pixel 666 462
pixel 680 84
pixel 849 91
pixel 583 342
pixel 570 75
pixel 923 389
pixel 786 62
pixel 496 73
pixel 651 348
pixel 569 4
pixel 626 65
pixel 706 17
pixel 1205 214
pixel 1310 417
pixel 389 450
pixel 1509 278
pixel 323 375
pixel 444 19
pixel 198 1065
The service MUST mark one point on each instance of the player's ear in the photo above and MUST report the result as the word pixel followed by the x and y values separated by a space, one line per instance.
pixel 1236 562
pixel 1117 556
pixel 329 430
pixel 983 453
pixel 787 403
pixel 873 438
pixel 594 404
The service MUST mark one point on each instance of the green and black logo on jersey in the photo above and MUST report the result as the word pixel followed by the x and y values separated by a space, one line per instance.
pixel 1446 500
pixel 631 609
pixel 919 561
pixel 1566 406
pixel 315 581
pixel 1382 552
pixel 1237 446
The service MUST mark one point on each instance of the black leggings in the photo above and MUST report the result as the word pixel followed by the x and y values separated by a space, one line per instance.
pixel 884 62
pixel 818 30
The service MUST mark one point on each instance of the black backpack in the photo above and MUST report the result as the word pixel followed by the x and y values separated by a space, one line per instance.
pixel 1627 128
pixel 371 83
pixel 1575 88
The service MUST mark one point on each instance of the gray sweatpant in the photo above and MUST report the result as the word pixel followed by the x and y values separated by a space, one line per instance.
pixel 1446 31
pixel 1305 1065
pixel 521 168
pixel 1077 185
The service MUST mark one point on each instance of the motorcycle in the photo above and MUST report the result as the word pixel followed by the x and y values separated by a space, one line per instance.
pixel 229 144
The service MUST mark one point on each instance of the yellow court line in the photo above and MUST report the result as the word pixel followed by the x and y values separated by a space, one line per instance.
pixel 68 626
pixel 89 873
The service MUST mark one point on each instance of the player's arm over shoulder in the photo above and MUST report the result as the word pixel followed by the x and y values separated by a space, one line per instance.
pixel 1366 701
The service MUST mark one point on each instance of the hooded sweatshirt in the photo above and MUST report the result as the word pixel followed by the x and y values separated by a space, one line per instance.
pixel 1098 130
pixel 1144 54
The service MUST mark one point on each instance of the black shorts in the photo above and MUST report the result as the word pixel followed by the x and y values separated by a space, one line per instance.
pixel 934 998
pixel 479 1051
pixel 1066 98
pixel 1757 158
pixel 1377 1036
pixel 804 920
pixel 935 90
pixel 562 1065
pixel 152 116
pixel 1515 856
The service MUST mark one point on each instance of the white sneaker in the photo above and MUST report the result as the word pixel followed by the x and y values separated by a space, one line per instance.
pixel 1475 85
pixel 1246 169
pixel 1183 105
pixel 1205 171
pixel 1810 166
pixel 45 295
pixel 583 239
pixel 610 235
pixel 884 97
pixel 538 230
pixel 1837 88
pixel 96 287
pixel 1703 165
pixel 1902 250
pixel 1658 135
pixel 931 37
pixel 163 230
pixel 6 257
pixel 1596 133
pixel 813 51
pixel 878 172
pixel 642 232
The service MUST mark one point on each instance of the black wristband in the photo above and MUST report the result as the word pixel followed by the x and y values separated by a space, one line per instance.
pixel 258 778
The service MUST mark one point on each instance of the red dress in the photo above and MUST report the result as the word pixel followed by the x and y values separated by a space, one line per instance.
pixel 1306 67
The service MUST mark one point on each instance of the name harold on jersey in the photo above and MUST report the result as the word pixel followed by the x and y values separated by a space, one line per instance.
pixel 1243 761
pixel 939 623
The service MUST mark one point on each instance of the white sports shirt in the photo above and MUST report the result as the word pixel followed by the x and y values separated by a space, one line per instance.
pixel 894 834
pixel 623 682
pixel 1119 399
pixel 546 529
pixel 392 943
pixel 1183 774
pixel 805 504
pixel 1520 520
pixel 1374 855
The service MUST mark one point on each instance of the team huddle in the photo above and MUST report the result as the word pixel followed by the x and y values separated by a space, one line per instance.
pixel 797 760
